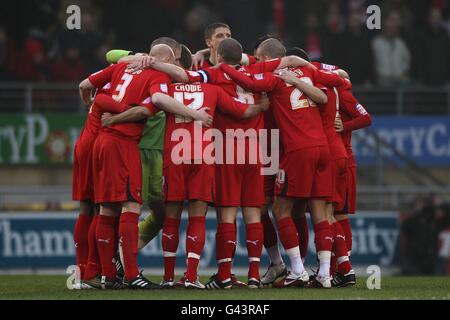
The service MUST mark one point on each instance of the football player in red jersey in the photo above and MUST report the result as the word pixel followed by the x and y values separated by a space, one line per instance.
pixel 82 180
pixel 352 116
pixel 341 267
pixel 356 118
pixel 305 167
pixel 116 151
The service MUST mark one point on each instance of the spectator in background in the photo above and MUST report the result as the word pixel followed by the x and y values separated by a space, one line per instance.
pixel 355 52
pixel 433 52
pixel 69 68
pixel 194 23
pixel 27 59
pixel 312 39
pixel 443 263
pixel 392 57
pixel 335 24
pixel 98 61
pixel 419 238
pixel 87 39
pixel 5 74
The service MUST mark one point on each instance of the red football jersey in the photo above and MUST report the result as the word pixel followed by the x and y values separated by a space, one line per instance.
pixel 296 115
pixel 223 121
pixel 132 89
pixel 197 96
pixel 354 116
pixel 93 120
pixel 329 110
pixel 93 123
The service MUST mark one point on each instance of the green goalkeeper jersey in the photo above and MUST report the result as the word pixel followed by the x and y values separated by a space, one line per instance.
pixel 153 136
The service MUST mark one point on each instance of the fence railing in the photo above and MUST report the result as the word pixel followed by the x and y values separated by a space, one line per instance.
pixel 40 97
pixel 383 198
pixel 63 97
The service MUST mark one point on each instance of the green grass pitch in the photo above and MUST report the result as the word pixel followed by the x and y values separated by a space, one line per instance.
pixel 54 287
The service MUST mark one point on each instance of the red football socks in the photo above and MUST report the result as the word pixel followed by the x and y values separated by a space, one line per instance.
pixel 128 243
pixel 340 250
pixel 80 237
pixel 195 241
pixel 288 233
pixel 324 236
pixel 105 236
pixel 225 246
pixel 255 238
pixel 324 239
pixel 170 240
pixel 93 267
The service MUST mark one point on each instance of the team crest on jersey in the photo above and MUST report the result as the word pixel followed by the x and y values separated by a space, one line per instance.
pixel 164 88
pixel 259 76
pixel 147 101
pixel 361 109
pixel 328 67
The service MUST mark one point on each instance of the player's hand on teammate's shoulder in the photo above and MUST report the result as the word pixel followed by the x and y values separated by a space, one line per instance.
pixel 286 75
pixel 141 63
pixel 204 117
pixel 107 119
pixel 199 58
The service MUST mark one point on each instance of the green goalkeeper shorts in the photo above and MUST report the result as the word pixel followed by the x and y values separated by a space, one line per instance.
pixel 152 171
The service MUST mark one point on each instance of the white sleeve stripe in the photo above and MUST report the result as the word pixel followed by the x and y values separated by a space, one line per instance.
pixel 204 76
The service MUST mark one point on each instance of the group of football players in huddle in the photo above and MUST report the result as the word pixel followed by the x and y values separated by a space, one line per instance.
pixel 141 144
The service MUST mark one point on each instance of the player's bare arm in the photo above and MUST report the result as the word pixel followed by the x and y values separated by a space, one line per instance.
pixel 85 89
pixel 293 61
pixel 169 104
pixel 130 115
pixel 254 109
pixel 315 94
pixel 176 73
